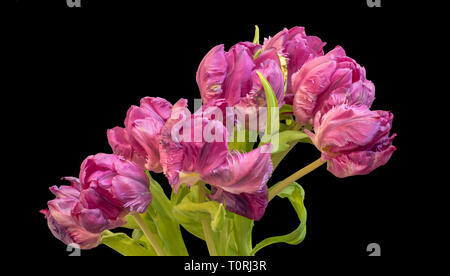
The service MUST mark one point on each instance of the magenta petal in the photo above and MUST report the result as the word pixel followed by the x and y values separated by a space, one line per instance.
pixel 65 192
pixel 277 41
pixel 346 128
pixel 190 154
pixel 238 82
pixel 359 163
pixel 211 74
pixel 270 69
pixel 146 132
pixel 308 84
pixel 170 149
pixel 133 194
pixel 121 145
pixel 102 200
pixel 65 228
pixel 242 172
pixel 249 205
pixel 159 106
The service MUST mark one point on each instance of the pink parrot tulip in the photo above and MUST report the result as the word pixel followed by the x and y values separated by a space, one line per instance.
pixel 327 81
pixel 139 140
pixel 353 139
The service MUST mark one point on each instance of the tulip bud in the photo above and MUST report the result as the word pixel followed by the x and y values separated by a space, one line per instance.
pixel 327 81
pixel 353 139
pixel 139 140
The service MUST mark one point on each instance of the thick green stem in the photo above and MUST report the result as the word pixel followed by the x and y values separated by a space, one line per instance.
pixel 154 242
pixel 206 223
pixel 294 177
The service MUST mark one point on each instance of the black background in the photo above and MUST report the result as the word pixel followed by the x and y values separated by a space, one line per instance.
pixel 77 71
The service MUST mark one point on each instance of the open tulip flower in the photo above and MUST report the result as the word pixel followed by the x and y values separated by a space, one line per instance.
pixel 218 170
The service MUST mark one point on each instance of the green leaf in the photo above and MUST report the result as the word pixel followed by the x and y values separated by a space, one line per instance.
pixel 176 198
pixel 295 193
pixel 242 234
pixel 131 223
pixel 191 213
pixel 272 102
pixel 125 245
pixel 287 138
pixel 256 38
pixel 160 220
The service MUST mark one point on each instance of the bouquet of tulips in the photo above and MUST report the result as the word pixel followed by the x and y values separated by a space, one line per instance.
pixel 258 101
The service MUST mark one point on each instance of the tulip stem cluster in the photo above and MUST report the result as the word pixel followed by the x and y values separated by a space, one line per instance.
pixel 206 223
pixel 277 188
pixel 152 240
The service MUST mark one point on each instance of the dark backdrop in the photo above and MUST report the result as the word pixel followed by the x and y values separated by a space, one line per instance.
pixel 79 70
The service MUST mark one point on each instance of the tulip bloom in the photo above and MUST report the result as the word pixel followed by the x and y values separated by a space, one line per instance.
pixel 139 140
pixel 328 81
pixel 111 187
pixel 297 48
pixel 232 75
pixel 201 153
pixel 353 139
pixel 60 220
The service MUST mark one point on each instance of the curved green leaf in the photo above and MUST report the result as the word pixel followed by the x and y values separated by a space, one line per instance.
pixel 191 213
pixel 287 138
pixel 161 222
pixel 125 245
pixel 242 234
pixel 295 193
pixel 272 102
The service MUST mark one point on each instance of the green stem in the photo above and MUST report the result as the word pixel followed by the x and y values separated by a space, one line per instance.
pixel 154 242
pixel 277 188
pixel 206 223
pixel 278 157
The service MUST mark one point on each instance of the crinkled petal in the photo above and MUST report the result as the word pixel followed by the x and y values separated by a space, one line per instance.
pixel 65 228
pixel 249 205
pixel 120 143
pixel 238 81
pixel 133 194
pixel 360 162
pixel 242 172
pixel 211 74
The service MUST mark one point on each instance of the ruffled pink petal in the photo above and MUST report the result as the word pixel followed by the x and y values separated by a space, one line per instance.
pixel 359 163
pixel 121 145
pixel 211 74
pixel 159 106
pixel 238 80
pixel 346 128
pixel 134 195
pixel 191 145
pixel 242 172
pixel 65 228
pixel 249 205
